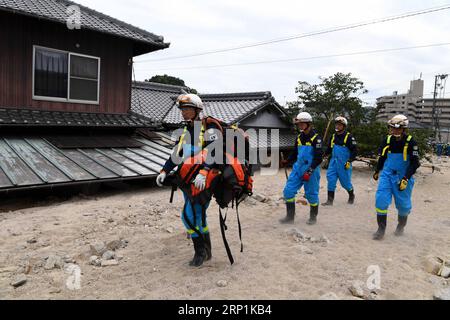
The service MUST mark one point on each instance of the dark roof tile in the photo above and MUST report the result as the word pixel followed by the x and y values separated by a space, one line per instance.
pixel 28 117
pixel 55 10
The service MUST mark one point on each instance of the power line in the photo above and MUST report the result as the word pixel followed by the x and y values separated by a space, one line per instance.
pixel 302 59
pixel 305 35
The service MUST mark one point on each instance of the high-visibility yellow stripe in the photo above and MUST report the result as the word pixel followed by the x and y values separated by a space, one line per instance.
pixel 180 144
pixel 405 149
pixel 388 145
pixel 308 143
pixel 201 139
pixel 381 211
pixel 290 200
pixel 346 138
pixel 314 204
pixel 191 231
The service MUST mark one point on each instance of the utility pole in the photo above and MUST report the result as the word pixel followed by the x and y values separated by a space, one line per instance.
pixel 437 81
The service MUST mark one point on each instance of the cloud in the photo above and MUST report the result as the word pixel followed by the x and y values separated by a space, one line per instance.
pixel 197 26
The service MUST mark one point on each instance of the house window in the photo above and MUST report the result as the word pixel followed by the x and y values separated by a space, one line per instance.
pixel 65 76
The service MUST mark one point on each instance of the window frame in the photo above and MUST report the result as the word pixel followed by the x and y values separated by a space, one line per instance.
pixel 68 100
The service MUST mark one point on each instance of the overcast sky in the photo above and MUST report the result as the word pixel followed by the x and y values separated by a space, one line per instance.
pixel 193 26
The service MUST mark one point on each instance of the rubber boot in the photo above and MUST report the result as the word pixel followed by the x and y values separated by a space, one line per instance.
pixel 402 220
pixel 208 247
pixel 330 199
pixel 351 197
pixel 314 211
pixel 200 252
pixel 290 213
pixel 382 221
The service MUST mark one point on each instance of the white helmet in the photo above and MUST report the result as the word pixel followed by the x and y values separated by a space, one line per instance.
pixel 303 117
pixel 190 100
pixel 399 121
pixel 341 120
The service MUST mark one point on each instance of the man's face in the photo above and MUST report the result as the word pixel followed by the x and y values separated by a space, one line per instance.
pixel 397 132
pixel 303 126
pixel 339 127
pixel 188 113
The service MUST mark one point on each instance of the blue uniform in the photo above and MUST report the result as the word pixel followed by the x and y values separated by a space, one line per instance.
pixel 398 160
pixel 342 149
pixel 308 155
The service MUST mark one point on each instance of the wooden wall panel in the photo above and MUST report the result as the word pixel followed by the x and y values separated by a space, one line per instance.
pixel 19 33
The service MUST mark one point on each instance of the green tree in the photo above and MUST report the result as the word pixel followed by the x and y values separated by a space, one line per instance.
pixel 166 79
pixel 340 95
pixel 335 95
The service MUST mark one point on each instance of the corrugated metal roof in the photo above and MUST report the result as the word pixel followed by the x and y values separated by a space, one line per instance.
pixel 34 161
pixel 56 10
pixel 41 118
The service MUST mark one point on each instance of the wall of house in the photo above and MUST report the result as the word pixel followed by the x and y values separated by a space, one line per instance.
pixel 269 117
pixel 19 33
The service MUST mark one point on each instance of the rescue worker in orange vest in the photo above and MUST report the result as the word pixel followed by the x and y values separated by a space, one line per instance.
pixel 398 162
pixel 194 139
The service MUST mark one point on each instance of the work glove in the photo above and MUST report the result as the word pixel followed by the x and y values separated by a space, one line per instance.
pixel 160 179
pixel 200 180
pixel 307 175
pixel 348 165
pixel 403 184
pixel 376 176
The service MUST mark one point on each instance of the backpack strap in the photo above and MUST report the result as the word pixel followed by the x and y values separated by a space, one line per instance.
pixel 223 228
pixel 205 122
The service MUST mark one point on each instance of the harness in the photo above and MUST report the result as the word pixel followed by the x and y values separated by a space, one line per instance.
pixel 201 138
pixel 345 139
pixel 405 148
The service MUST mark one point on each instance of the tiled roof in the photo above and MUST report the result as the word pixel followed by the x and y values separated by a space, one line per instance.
pixel 30 162
pixel 286 139
pixel 154 100
pixel 230 108
pixel 258 139
pixel 55 10
pixel 40 118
